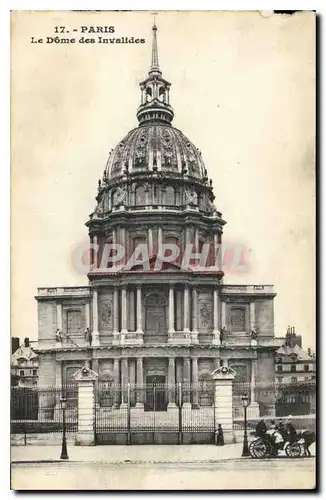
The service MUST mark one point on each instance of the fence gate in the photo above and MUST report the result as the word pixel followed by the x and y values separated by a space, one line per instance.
pixel 154 413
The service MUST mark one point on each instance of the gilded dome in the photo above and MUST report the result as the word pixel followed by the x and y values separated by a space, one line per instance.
pixel 155 147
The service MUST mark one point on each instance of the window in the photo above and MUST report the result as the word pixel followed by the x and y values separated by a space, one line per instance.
pixel 161 94
pixel 294 380
pixel 293 368
pixel 21 373
pixel 279 368
pixel 280 380
pixel 306 368
pixel 73 321
pixel 34 372
pixel 238 319
pixel 140 196
pixel 306 378
pixel 148 94
pixel 169 197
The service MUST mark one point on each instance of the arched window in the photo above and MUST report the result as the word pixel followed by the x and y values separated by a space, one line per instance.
pixel 161 94
pixel 238 319
pixel 140 196
pixel 148 94
pixel 138 240
pixel 169 196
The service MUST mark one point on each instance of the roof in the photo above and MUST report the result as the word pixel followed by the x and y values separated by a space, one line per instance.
pixel 24 352
pixel 301 354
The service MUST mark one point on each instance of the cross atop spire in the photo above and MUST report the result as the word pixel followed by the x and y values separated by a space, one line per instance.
pixel 154 65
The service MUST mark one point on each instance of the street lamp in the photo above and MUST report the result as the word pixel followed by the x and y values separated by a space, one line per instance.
pixel 64 453
pixel 245 449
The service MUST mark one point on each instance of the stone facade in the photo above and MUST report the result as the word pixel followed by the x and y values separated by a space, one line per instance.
pixel 135 321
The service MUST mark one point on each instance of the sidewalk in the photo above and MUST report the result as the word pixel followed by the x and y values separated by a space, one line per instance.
pixel 127 454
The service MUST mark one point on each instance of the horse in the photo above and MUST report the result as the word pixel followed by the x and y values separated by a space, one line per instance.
pixel 309 437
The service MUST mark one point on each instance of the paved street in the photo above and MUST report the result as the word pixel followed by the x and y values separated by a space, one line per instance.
pixel 155 467
pixel 225 474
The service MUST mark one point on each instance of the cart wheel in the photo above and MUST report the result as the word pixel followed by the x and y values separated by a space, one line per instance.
pixel 258 448
pixel 293 450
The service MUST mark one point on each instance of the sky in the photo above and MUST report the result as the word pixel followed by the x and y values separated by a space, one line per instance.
pixel 243 91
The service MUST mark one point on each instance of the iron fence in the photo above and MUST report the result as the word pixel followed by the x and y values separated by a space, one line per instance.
pixel 38 410
pixel 154 413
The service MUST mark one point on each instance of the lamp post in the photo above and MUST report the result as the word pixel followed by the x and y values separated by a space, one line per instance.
pixel 64 453
pixel 245 449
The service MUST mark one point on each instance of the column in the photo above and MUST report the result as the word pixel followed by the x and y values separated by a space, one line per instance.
pixel 123 310
pixel 171 310
pixel 186 382
pixel 223 314
pixel 253 409
pixel 171 382
pixel 253 381
pixel 150 242
pixel 59 325
pixel 95 252
pixel 116 382
pixel 58 382
pixel 87 315
pixel 195 382
pixel 186 309
pixel 159 240
pixel 114 242
pixel 140 383
pixel 59 316
pixel 252 315
pixel 194 334
pixel 217 254
pixel 216 333
pixel 95 332
pixel 124 381
pixel 115 319
pixel 196 240
pixel 123 243
pixel 139 310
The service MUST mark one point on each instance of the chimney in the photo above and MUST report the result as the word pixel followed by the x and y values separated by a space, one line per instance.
pixel 294 330
pixel 309 351
pixel 26 342
pixel 14 344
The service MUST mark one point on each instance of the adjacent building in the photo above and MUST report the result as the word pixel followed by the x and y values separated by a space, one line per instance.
pixel 295 376
pixel 24 366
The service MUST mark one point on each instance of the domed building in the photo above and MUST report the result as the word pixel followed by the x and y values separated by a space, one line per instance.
pixel 152 312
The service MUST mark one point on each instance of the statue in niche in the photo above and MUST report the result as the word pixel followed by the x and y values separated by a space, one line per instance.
pixel 222 334
pixel 58 335
pixel 254 336
pixel 191 197
pixel 119 196
pixel 254 333
pixel 211 207
pixel 88 336
pixel 98 211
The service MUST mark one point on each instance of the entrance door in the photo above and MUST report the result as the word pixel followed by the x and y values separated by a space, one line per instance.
pixel 156 399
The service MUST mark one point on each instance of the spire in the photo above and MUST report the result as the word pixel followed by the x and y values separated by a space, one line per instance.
pixel 155 101
pixel 154 66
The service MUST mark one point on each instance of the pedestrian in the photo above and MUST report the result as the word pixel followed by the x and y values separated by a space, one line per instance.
pixel 261 428
pixel 219 436
pixel 281 429
pixel 291 430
